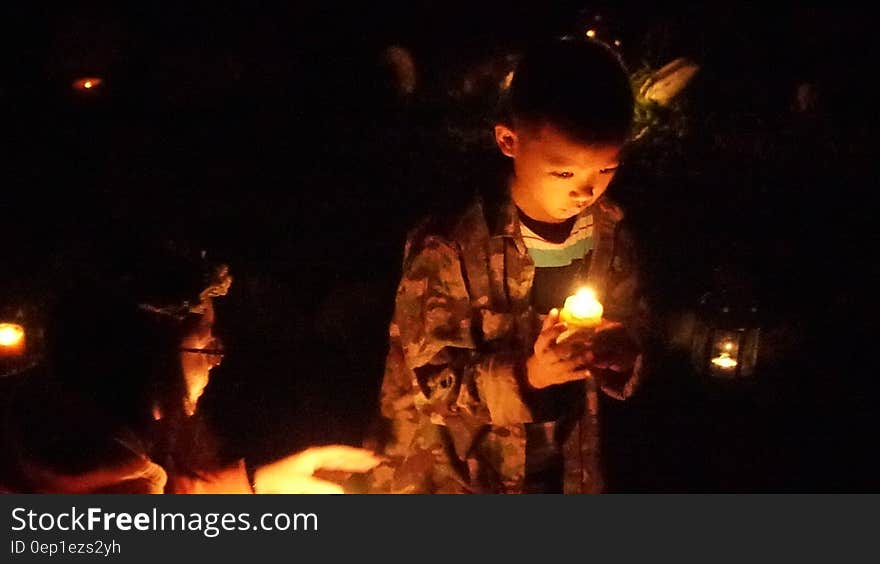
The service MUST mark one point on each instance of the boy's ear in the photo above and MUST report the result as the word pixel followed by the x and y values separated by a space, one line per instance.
pixel 506 140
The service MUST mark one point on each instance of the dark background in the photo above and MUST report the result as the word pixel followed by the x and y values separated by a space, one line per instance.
pixel 273 138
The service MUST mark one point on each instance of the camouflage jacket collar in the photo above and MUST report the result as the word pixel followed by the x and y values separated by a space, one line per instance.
pixel 505 222
pixel 502 219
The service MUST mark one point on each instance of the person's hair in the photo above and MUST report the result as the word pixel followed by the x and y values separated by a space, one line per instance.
pixel 578 86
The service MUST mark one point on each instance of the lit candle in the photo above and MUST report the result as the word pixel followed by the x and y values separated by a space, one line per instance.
pixel 11 339
pixel 582 310
pixel 724 360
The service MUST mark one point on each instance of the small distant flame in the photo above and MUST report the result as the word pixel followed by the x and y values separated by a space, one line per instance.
pixel 87 83
pixel 591 33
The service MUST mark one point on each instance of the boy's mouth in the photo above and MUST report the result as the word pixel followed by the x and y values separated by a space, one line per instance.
pixel 574 210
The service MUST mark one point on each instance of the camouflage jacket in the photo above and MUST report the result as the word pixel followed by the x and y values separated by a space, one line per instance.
pixel 454 396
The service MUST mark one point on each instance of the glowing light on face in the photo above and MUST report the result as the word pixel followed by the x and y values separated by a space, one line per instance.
pixel 508 80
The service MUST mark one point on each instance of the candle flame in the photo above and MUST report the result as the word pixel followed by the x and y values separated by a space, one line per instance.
pixel 11 334
pixel 591 33
pixel 728 346
pixel 584 305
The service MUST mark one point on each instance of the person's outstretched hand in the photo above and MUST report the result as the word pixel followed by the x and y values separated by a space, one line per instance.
pixel 294 474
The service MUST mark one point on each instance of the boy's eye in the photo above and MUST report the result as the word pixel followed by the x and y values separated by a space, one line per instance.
pixel 608 170
pixel 564 174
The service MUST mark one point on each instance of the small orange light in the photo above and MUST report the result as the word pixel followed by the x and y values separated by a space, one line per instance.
pixel 617 42
pixel 87 83
pixel 591 33
pixel 11 339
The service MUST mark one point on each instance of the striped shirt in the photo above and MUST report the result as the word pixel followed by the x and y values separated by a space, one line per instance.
pixel 558 251
pixel 559 258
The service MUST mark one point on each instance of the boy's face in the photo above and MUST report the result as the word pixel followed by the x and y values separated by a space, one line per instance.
pixel 555 177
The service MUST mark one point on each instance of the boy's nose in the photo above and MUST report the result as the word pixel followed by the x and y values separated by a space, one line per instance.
pixel 582 194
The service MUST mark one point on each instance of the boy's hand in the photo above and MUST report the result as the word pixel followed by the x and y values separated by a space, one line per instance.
pixel 607 347
pixel 554 363
pixel 612 348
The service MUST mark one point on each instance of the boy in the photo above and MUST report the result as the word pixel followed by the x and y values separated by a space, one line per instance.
pixel 478 395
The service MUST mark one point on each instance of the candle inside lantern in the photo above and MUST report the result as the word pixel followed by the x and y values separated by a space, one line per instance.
pixel 724 360
pixel 11 339
pixel 582 310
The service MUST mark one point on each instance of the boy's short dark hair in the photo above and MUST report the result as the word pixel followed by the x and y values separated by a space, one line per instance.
pixel 578 86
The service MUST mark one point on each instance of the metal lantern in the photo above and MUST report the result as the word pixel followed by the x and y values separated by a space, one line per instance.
pixel 726 337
